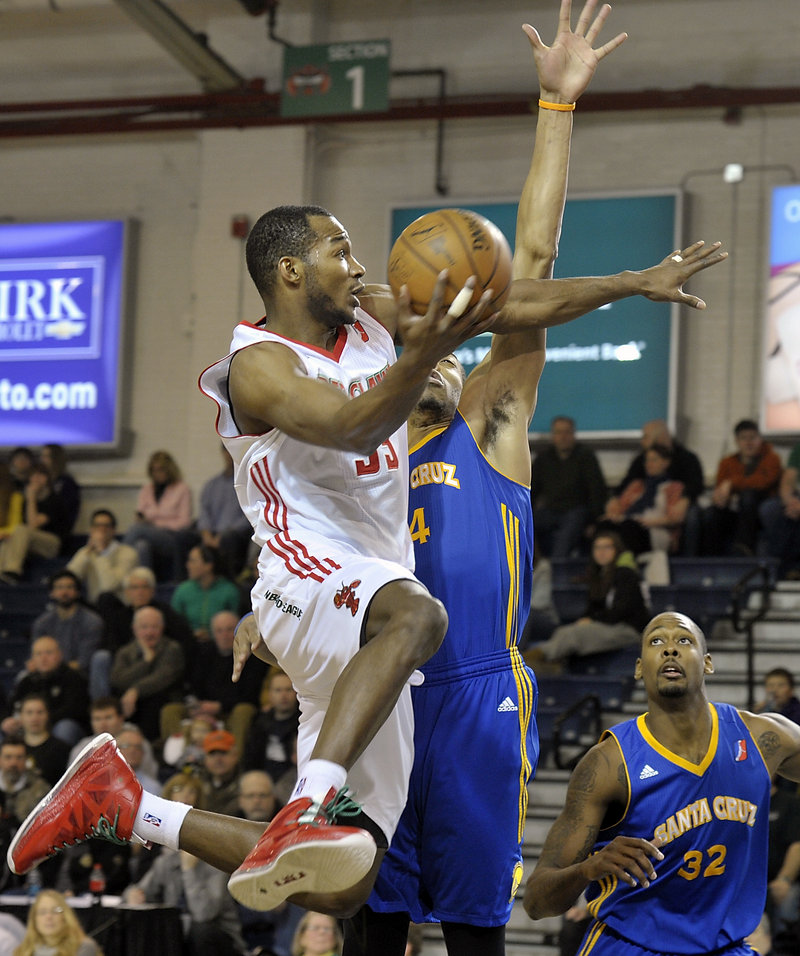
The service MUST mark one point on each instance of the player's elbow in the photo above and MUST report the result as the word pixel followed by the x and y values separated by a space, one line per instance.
pixel 536 903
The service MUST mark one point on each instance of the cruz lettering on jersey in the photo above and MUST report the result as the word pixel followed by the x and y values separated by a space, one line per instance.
pixel 346 597
pixel 434 473
pixel 696 814
pixel 285 607
pixel 358 385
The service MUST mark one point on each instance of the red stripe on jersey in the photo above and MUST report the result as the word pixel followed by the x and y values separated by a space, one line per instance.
pixel 290 561
pixel 274 506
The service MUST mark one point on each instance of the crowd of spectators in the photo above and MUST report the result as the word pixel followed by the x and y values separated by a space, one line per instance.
pixel 133 636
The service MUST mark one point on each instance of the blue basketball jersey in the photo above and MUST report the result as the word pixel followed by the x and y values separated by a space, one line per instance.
pixel 472 529
pixel 456 852
pixel 714 818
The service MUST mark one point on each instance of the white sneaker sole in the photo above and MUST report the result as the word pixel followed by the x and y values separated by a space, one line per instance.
pixel 72 769
pixel 312 867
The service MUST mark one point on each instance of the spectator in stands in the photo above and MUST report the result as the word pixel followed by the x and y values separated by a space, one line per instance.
pixel 78 629
pixel 178 879
pixel 274 731
pixel 209 681
pixel 148 672
pixel 317 935
pixel 649 512
pixel 47 753
pixel 744 481
pixel 568 491
pixel 11 502
pixel 684 465
pixel 269 932
pixel 543 617
pixel 780 520
pixel 53 930
pixel 64 689
pixel 103 562
pixel 54 458
pixel 43 530
pixel 162 532
pixel 779 695
pixel 615 613
pixel 221 522
pixel 21 785
pixel 783 870
pixel 221 772
pixel 183 748
pixel 205 591
pixel 131 742
pixel 20 463
pixel 139 590
pixel 106 717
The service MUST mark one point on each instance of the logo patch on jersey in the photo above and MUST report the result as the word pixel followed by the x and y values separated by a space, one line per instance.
pixel 741 750
pixel 281 604
pixel 346 597
pixel 647 771
pixel 506 706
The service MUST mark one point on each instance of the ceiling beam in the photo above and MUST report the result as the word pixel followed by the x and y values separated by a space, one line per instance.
pixel 249 105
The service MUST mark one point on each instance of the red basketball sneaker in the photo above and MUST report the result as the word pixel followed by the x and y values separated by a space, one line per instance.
pixel 305 850
pixel 97 797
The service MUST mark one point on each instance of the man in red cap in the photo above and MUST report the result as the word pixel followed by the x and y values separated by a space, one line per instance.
pixel 221 771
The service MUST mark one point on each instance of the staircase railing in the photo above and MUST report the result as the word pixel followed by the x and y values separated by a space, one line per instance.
pixel 744 619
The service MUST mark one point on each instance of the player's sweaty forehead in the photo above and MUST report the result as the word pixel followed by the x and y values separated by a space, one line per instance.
pixel 670 622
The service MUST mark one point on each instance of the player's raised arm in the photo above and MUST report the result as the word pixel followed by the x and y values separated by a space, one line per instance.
pixel 546 303
pixel 567 865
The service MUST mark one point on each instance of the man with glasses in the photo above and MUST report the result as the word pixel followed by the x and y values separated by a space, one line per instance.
pixel 103 562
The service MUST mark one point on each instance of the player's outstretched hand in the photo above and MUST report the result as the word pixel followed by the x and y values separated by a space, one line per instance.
pixel 664 282
pixel 428 338
pixel 566 68
pixel 627 858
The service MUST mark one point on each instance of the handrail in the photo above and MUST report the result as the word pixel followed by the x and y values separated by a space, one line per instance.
pixel 739 595
pixel 596 709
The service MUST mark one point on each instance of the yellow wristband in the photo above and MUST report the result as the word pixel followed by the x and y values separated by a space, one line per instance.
pixel 561 107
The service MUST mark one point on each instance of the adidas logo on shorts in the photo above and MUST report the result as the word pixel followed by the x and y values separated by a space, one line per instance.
pixel 506 706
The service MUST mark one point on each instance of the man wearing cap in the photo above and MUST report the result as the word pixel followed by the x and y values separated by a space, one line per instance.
pixel 221 772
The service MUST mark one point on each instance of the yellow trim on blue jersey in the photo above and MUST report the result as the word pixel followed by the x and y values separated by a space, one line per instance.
pixel 525 710
pixel 610 733
pixel 427 438
pixel 595 932
pixel 696 768
pixel 607 886
pixel 494 467
pixel 511 532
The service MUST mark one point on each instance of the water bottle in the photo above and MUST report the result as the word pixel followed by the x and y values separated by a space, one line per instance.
pixel 97 881
pixel 33 882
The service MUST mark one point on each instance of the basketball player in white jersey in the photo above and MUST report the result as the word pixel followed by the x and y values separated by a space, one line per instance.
pixel 312 406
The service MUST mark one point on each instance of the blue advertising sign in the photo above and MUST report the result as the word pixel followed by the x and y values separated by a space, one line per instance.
pixel 61 293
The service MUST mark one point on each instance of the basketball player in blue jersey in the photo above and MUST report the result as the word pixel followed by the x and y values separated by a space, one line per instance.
pixel 456 854
pixel 665 824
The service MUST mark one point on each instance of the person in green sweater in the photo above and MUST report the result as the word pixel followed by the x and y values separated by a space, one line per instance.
pixel 205 591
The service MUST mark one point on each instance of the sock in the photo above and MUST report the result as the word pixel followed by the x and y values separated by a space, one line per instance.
pixel 159 820
pixel 318 778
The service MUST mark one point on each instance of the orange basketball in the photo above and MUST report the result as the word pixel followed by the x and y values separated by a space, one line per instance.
pixel 459 240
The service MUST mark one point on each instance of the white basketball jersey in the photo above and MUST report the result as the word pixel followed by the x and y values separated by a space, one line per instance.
pixel 295 493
